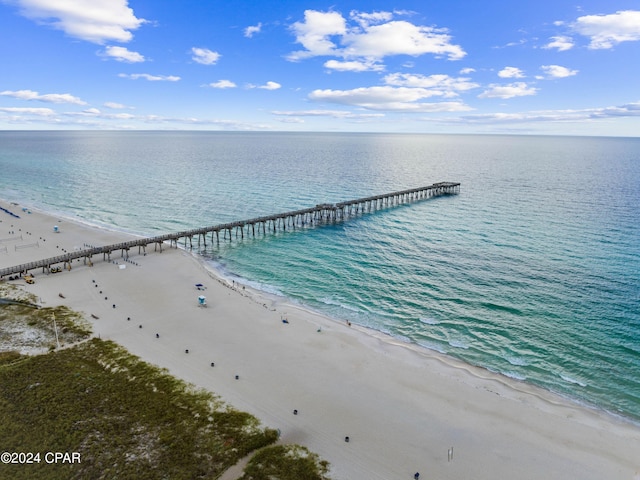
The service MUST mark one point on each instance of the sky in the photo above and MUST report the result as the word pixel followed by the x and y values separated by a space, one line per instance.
pixel 417 66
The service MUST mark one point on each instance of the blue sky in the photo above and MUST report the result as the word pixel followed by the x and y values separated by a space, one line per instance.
pixel 457 66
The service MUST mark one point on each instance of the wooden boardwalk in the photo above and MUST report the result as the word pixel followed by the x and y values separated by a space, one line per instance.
pixel 307 217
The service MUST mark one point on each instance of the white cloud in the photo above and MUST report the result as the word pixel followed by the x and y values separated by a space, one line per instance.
pixel 387 98
pixel 41 112
pixel 266 86
pixel 372 37
pixel 328 113
pixel 270 86
pixel 606 31
pixel 315 31
pixel 517 43
pixel 151 78
pixel 366 19
pixel 96 119
pixel 204 56
pixel 290 120
pixel 353 66
pixel 252 30
pixel 96 113
pixel 561 43
pixel 440 85
pixel 114 105
pixel 400 38
pixel 121 54
pixel 584 115
pixel 556 71
pixel 48 97
pixel 222 84
pixel 511 72
pixel 371 95
pixel 96 21
pixel 628 110
pixel 467 71
pixel 518 89
pixel 121 116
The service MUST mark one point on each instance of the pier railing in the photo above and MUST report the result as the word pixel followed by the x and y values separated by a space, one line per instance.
pixel 320 214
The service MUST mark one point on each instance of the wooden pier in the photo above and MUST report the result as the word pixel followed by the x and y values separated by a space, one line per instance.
pixel 308 217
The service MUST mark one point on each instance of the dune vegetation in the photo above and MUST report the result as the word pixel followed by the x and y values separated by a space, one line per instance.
pixel 119 417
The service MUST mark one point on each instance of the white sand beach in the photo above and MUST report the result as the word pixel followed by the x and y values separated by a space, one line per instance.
pixel 404 409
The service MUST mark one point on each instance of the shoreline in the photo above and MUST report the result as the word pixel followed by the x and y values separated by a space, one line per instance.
pixel 343 378
pixel 281 302
pixel 265 297
pixel 278 303
pixel 227 277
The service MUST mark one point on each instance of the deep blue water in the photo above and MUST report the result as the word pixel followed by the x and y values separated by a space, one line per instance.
pixel 533 270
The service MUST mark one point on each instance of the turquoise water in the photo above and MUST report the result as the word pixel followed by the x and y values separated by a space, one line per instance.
pixel 532 271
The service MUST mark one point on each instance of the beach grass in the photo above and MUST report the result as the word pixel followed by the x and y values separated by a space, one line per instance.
pixel 125 418
pixel 13 292
pixel 115 415
pixel 286 462
pixel 29 327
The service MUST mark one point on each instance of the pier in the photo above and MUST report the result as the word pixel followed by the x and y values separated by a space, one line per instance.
pixel 308 217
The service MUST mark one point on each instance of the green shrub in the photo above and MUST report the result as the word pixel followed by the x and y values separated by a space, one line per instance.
pixel 126 418
pixel 285 462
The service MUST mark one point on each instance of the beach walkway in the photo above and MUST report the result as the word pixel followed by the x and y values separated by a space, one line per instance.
pixel 308 217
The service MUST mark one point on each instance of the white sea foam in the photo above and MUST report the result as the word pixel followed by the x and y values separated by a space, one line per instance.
pixel 331 301
pixel 429 321
pixel 431 346
pixel 263 287
pixel 459 344
pixel 569 379
pixel 517 361
pixel 514 375
pixel 222 271
pixel 402 338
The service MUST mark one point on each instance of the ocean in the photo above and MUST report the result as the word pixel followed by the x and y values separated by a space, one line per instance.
pixel 531 271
